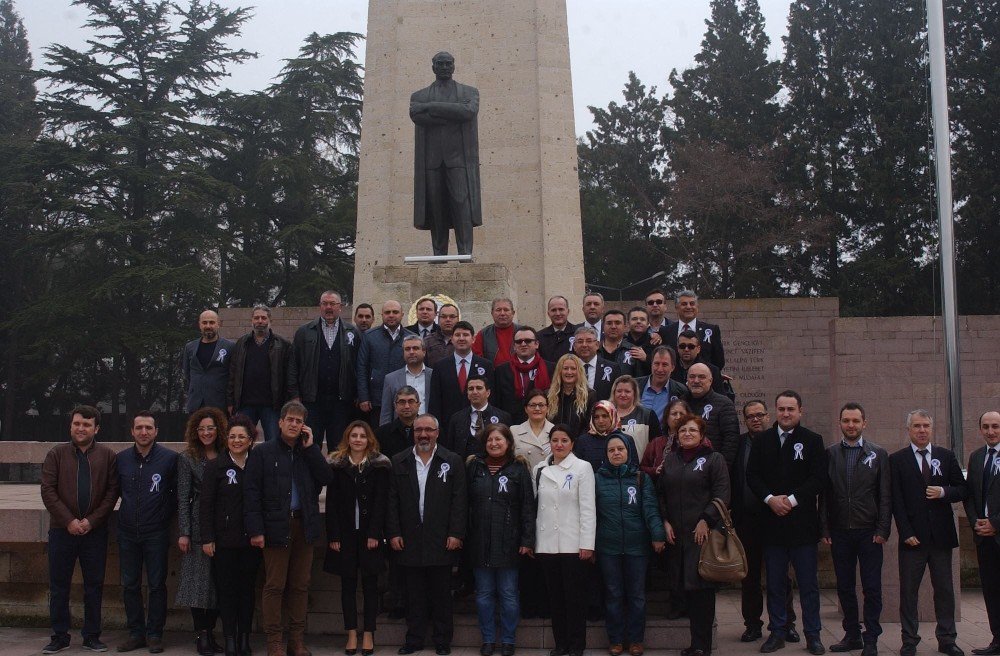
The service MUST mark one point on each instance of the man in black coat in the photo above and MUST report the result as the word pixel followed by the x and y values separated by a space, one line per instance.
pixel 258 373
pixel 464 426
pixel 686 306
pixel 556 339
pixel 689 353
pixel 526 371
pixel 425 524
pixel 283 480
pixel 321 370
pixel 425 324
pixel 787 471
pixel 747 511
pixel 982 507
pixel 856 511
pixel 926 480
pixel 601 374
pixel 453 372
pixel 717 411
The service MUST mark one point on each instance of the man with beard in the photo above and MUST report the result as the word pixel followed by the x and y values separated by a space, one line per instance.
pixel 717 411
pixel 364 317
pixel 258 373
pixel 205 365
pixel 425 524
pixel 414 374
pixel 688 353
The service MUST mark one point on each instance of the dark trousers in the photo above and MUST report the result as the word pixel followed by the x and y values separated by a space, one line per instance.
pixel 752 593
pixel 624 597
pixel 701 614
pixel 397 583
pixel 531 588
pixel 803 559
pixel 235 572
pixel 913 561
pixel 266 415
pixel 135 553
pixel 349 600
pixel 988 552
pixel 448 196
pixel 204 619
pixel 328 419
pixel 853 550
pixel 428 598
pixel 65 549
pixel 566 577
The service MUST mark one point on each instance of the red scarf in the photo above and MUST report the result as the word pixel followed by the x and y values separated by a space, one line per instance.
pixel 522 371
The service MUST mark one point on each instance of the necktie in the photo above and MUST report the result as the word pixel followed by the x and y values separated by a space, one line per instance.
pixel 687 326
pixel 423 333
pixel 784 436
pixel 988 475
pixel 586 370
pixel 925 468
pixel 477 422
pixel 463 376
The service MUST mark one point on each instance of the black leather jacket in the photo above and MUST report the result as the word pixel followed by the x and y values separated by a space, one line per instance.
pixel 868 504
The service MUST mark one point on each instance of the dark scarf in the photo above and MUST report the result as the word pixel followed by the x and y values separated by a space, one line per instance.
pixel 687 455
pixel 541 381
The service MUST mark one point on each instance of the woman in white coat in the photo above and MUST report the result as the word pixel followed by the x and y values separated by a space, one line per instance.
pixel 566 523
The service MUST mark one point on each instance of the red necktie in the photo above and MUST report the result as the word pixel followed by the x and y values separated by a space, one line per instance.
pixel 463 375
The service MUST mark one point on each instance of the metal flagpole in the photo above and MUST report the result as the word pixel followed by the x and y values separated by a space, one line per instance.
pixel 942 161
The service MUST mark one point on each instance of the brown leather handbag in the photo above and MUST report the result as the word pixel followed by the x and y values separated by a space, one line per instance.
pixel 723 559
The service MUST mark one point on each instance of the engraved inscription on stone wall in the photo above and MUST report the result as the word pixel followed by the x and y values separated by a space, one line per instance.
pixel 746 363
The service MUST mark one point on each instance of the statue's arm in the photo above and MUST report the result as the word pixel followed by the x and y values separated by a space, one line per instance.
pixel 461 112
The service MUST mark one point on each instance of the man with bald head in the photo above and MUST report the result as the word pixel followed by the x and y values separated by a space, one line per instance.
pixel 381 352
pixel 717 411
pixel 982 507
pixel 205 364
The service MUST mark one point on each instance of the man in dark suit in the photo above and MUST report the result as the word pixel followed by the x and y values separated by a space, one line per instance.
pixel 926 480
pixel 856 509
pixel 686 305
pixel 787 471
pixel 465 424
pixel 205 365
pixel 321 370
pixel 526 371
pixel 556 339
pixel 689 353
pixel 601 374
pixel 717 411
pixel 451 374
pixel 982 507
pixel 425 324
pixel 426 524
pixel 381 352
pixel 747 511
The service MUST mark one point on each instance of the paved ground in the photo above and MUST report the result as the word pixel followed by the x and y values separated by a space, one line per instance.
pixel 973 631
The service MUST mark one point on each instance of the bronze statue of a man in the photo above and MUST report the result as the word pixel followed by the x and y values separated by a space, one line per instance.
pixel 446 162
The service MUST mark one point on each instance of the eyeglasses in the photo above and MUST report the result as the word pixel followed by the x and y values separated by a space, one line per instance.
pixel 207 429
pixel 687 347
pixel 656 301
pixel 407 402
pixel 523 342
pixel 756 415
pixel 537 406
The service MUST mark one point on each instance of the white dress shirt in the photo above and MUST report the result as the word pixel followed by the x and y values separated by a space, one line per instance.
pixel 422 471
pixel 417 382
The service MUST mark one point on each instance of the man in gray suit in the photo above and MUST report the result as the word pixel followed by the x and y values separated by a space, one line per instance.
pixel 205 364
pixel 381 352
pixel 414 374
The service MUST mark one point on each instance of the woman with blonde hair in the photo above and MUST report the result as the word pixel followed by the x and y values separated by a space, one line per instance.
pixel 356 503
pixel 205 436
pixel 570 400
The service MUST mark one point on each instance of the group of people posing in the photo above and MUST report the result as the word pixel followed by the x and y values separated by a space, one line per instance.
pixel 550 486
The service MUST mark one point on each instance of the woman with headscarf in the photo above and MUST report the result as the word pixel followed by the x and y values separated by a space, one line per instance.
pixel 570 399
pixel 592 446
pixel 693 474
pixel 636 420
pixel 629 529
pixel 652 456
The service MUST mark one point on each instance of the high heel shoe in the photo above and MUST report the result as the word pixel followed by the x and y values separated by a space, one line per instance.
pixel 371 650
pixel 354 650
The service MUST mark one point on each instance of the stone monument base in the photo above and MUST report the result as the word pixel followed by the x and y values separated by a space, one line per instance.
pixel 471 285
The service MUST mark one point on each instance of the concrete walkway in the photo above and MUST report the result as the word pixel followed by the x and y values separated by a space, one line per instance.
pixel 973 631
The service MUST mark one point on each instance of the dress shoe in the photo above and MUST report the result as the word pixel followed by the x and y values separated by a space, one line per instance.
pixel 203 646
pixel 133 643
pixel 791 635
pixel 408 649
pixel 908 650
pixel 814 645
pixel 155 645
pixel 774 642
pixel 847 643
pixel 486 649
pixel 442 650
pixel 951 650
pixel 367 651
pixel 992 650
pixel 231 648
pixel 636 649
pixel 616 649
pixel 56 645
pixel 507 649
pixel 751 635
pixel 870 649
pixel 94 644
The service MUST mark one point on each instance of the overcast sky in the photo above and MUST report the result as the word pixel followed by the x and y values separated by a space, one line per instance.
pixel 607 38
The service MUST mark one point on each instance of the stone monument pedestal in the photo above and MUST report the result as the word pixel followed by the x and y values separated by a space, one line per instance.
pixel 472 286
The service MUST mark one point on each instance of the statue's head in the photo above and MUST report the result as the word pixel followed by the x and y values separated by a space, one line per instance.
pixel 443 65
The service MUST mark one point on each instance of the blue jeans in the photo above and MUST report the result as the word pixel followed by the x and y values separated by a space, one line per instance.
pixel 851 549
pixel 266 415
pixel 150 551
pixel 803 560
pixel 64 550
pixel 491 583
pixel 624 597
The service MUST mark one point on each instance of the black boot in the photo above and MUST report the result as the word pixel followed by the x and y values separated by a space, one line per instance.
pixel 203 645
pixel 231 646
pixel 244 645
pixel 216 647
